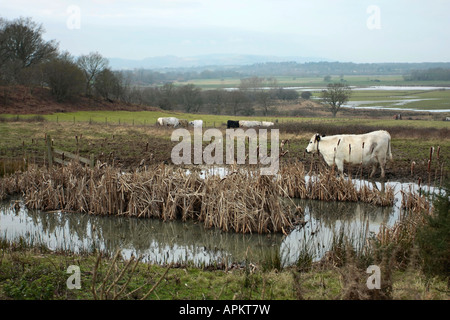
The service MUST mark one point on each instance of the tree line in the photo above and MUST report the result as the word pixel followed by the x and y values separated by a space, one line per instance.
pixel 27 59
pixel 432 74
pixel 250 98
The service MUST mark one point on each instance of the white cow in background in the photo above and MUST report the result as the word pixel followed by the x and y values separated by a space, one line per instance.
pixel 249 124
pixel 266 124
pixel 367 149
pixel 169 121
pixel 196 123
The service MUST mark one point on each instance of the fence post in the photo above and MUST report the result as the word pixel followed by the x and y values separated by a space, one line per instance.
pixel 49 151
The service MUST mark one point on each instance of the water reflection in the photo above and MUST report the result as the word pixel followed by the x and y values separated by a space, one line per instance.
pixel 155 240
pixel 164 242
pixel 326 221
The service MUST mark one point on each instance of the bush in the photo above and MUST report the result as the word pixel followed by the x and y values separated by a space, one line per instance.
pixel 434 238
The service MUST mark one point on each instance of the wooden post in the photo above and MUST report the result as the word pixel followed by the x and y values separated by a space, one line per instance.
pixel 92 164
pixel 49 151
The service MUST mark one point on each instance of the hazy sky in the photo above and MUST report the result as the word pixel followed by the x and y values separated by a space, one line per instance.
pixel 342 30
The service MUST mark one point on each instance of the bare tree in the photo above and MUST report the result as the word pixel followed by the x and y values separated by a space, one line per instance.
pixel 91 64
pixel 166 99
pixel 335 96
pixel 236 100
pixel 263 97
pixel 190 97
pixel 251 83
pixel 215 98
pixel 64 77
pixel 107 84
pixel 22 47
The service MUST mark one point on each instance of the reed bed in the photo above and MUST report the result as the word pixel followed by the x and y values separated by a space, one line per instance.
pixel 243 201
pixel 415 209
pixel 160 192
pixel 326 185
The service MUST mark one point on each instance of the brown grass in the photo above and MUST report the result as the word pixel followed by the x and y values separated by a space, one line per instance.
pixel 38 100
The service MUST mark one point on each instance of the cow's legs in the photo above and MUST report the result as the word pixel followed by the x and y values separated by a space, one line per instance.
pixel 374 169
pixel 383 166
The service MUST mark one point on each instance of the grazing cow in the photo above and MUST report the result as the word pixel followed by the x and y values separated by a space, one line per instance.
pixel 170 122
pixel 232 124
pixel 249 124
pixel 266 124
pixel 196 123
pixel 367 149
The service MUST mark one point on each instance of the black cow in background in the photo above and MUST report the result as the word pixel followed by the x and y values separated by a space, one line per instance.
pixel 232 124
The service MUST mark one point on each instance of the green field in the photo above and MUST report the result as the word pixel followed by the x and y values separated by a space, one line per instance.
pixel 289 81
pixel 408 99
pixel 427 99
pixel 129 137
pixel 148 118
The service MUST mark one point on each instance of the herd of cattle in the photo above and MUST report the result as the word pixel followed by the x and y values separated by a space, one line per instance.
pixel 373 148
pixel 175 122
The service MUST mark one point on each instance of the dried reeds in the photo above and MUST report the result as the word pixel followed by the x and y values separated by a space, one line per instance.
pixel 415 209
pixel 327 186
pixel 162 192
pixel 243 201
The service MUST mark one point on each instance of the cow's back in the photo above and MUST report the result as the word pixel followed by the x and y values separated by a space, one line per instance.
pixel 365 148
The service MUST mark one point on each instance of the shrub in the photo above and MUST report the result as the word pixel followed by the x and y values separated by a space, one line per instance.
pixel 434 238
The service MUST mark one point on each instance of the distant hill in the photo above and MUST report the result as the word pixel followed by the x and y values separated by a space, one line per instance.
pixel 264 65
pixel 171 61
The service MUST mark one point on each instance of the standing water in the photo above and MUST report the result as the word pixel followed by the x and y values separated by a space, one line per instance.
pixel 162 242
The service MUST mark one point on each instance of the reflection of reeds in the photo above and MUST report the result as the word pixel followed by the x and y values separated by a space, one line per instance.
pixel 402 235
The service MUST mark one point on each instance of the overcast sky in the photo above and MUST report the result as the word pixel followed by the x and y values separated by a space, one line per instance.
pixel 341 30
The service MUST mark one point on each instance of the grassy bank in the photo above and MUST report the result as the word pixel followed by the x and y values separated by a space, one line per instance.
pixel 38 274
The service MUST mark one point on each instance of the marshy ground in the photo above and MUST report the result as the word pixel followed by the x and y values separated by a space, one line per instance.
pixel 420 150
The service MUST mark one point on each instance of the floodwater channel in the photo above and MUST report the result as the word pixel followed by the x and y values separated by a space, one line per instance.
pixel 164 242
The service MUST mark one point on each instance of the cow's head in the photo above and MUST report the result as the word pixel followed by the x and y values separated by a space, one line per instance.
pixel 313 143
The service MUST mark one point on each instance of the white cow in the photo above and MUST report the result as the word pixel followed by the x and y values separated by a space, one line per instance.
pixel 367 149
pixel 169 121
pixel 266 124
pixel 196 123
pixel 249 124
